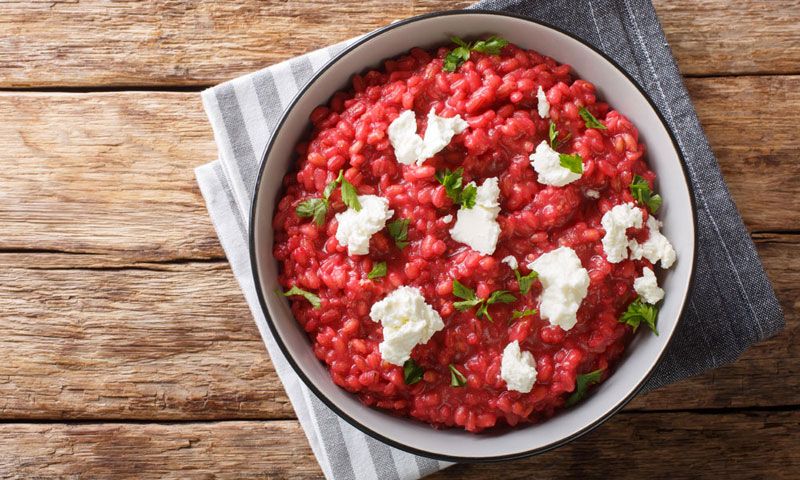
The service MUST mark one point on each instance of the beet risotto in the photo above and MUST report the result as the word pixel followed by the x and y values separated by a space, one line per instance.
pixel 469 236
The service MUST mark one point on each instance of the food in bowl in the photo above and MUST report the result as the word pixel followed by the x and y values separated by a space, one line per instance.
pixel 469 236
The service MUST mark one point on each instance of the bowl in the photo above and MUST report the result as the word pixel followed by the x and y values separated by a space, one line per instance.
pixel 677 214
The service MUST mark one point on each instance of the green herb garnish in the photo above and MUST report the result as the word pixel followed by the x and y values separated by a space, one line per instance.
pixel 523 313
pixel 573 163
pixel 412 373
pixel 312 299
pixel 398 230
pixel 350 195
pixel 378 271
pixel 589 120
pixel 313 207
pixel 491 46
pixel 318 207
pixel 582 384
pixel 525 281
pixel 470 300
pixel 457 379
pixel 639 312
pixel 641 191
pixel 459 193
pixel 555 143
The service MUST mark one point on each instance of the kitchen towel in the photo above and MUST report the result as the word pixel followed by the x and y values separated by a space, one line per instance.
pixel 732 304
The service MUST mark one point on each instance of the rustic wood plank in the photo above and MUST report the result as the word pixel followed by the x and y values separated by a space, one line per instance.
pixel 48 44
pixel 178 451
pixel 105 173
pixel 755 141
pixel 175 341
pixel 760 445
pixel 99 173
pixel 161 341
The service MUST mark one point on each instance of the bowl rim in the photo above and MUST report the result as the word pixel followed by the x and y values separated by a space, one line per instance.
pixel 287 353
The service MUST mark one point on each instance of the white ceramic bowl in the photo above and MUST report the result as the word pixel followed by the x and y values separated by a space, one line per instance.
pixel 677 213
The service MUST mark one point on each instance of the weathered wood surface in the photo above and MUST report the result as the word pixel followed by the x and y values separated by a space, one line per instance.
pixel 97 43
pixel 630 446
pixel 111 174
pixel 118 304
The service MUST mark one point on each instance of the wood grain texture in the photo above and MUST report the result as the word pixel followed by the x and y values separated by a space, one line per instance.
pixel 630 446
pixel 177 342
pixel 131 43
pixel 99 173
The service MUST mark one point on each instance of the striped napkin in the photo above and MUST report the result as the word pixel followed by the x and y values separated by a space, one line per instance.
pixel 731 307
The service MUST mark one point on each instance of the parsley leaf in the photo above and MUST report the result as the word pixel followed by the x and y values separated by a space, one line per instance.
pixel 453 182
pixel 457 379
pixel 525 281
pixel 523 313
pixel 573 163
pixel 491 46
pixel 639 312
pixel 412 373
pixel 318 207
pixel 589 120
pixel 378 271
pixel 640 190
pixel 313 207
pixel 330 187
pixel 469 195
pixel 501 296
pixel 582 384
pixel 350 196
pixel 555 143
pixel 469 300
pixel 462 291
pixel 312 299
pixel 398 230
pixel 455 58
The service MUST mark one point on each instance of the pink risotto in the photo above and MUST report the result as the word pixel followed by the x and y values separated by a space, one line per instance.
pixel 468 236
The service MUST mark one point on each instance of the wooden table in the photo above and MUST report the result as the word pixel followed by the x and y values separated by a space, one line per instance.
pixel 127 349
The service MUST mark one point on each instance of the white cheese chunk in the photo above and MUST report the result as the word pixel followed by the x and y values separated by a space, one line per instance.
pixel 656 248
pixel 615 222
pixel 543 105
pixel 410 147
pixel 407 321
pixel 647 287
pixel 404 139
pixel 592 193
pixel 477 227
pixel 447 218
pixel 564 286
pixel 356 228
pixel 517 368
pixel 439 132
pixel 547 164
pixel 511 261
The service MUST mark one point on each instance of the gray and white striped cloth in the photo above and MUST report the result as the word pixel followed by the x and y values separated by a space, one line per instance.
pixel 732 306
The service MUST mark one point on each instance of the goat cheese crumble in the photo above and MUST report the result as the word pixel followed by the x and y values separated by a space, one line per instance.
pixel 547 164
pixel 615 222
pixel 647 287
pixel 477 227
pixel 357 227
pixel 407 321
pixel 543 105
pixel 518 368
pixel 409 147
pixel 564 286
